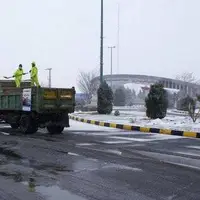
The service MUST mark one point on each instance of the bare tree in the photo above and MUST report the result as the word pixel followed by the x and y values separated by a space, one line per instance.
pixel 193 111
pixel 188 77
pixel 85 83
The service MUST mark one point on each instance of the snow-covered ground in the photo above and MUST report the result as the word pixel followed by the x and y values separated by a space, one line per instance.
pixel 142 108
pixel 138 118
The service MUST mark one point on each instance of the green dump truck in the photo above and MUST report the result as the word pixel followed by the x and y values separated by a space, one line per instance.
pixel 30 108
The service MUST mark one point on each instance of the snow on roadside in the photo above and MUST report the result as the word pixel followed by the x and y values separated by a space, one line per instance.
pixel 77 128
pixel 175 123
pixel 136 118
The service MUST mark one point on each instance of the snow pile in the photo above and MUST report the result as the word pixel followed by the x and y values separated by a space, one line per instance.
pixel 156 122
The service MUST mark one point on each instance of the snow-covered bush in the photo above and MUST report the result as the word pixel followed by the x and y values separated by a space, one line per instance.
pixel 132 120
pixel 156 102
pixel 116 113
pixel 105 99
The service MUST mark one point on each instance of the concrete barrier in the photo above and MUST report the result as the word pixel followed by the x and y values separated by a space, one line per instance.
pixel 137 128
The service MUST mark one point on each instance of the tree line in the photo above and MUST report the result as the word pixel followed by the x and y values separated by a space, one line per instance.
pixel 157 101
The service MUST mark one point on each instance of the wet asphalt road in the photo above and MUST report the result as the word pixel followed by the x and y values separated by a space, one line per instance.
pixel 96 163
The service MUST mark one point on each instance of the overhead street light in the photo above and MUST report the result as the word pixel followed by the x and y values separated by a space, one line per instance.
pixel 111 62
pixel 118 37
pixel 49 78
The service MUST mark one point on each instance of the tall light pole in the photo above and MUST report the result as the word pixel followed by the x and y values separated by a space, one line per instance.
pixel 101 45
pixel 111 62
pixel 49 78
pixel 118 26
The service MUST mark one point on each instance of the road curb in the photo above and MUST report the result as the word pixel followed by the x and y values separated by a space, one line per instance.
pixel 138 128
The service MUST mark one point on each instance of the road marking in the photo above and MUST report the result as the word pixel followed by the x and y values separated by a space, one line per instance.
pixel 147 138
pixel 93 159
pixel 194 147
pixel 85 144
pixel 109 151
pixel 174 159
pixel 188 153
pixel 132 139
pixel 5 126
pixel 116 142
pixel 104 133
pixel 123 167
pixel 73 154
pixel 184 165
pixel 113 151
pixel 4 133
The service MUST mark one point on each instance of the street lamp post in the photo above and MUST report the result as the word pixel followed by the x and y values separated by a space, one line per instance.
pixel 118 35
pixel 101 45
pixel 49 78
pixel 111 63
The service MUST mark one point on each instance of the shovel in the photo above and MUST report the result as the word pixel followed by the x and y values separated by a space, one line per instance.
pixel 8 77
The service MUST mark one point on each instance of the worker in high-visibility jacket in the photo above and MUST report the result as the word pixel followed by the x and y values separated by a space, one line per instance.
pixel 18 76
pixel 34 75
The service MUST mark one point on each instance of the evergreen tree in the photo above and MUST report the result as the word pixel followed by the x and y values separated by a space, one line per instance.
pixel 105 99
pixel 120 97
pixel 156 102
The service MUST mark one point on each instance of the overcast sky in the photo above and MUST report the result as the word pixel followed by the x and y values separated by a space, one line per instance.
pixel 157 37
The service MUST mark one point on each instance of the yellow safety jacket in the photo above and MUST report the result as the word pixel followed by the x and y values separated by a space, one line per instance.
pixel 34 72
pixel 18 74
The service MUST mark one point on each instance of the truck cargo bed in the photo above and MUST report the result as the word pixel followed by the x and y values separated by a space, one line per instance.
pixel 39 100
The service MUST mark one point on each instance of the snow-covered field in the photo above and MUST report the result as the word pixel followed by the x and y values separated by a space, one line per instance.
pixel 138 118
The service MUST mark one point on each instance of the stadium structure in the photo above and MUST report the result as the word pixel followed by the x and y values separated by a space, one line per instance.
pixel 117 80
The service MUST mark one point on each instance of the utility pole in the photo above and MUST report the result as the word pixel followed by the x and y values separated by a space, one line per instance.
pixel 101 45
pixel 49 78
pixel 111 63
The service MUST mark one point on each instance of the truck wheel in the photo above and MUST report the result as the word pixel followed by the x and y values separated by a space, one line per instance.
pixel 27 125
pixel 55 129
pixel 14 126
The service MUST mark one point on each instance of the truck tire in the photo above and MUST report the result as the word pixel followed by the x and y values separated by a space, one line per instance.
pixel 55 129
pixel 27 125
pixel 14 126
